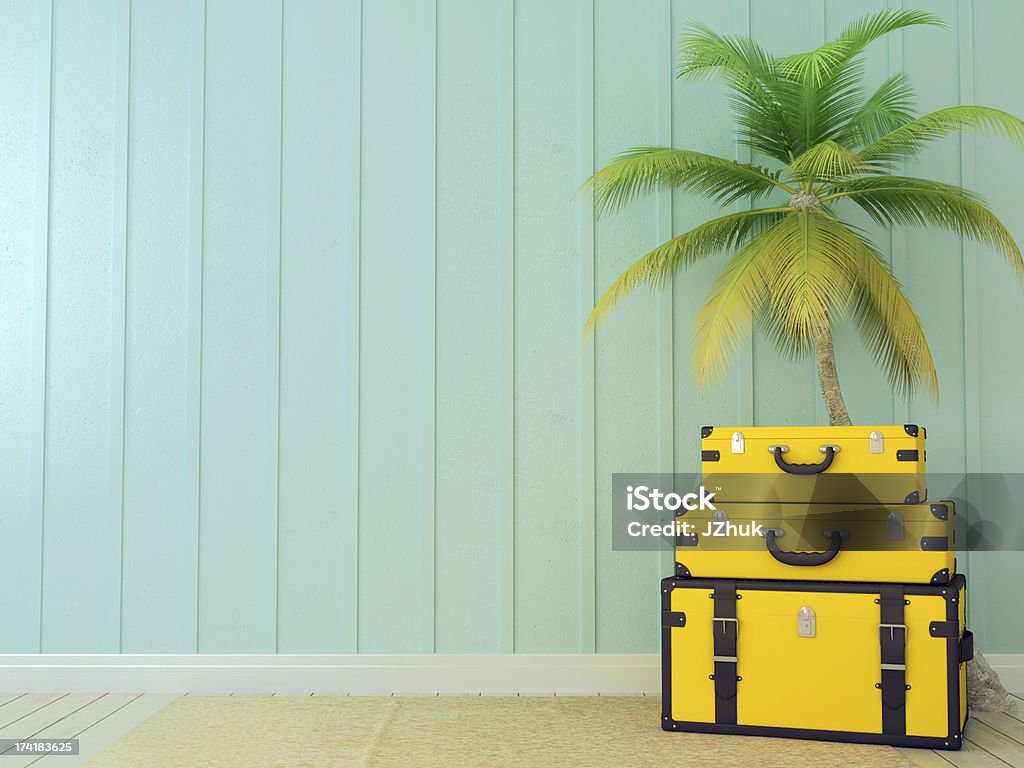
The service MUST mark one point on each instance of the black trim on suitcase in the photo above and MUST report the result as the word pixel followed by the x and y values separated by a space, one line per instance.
pixel 940 577
pixel 911 429
pixel 682 572
pixel 966 646
pixel 935 543
pixel 941 510
pixel 725 628
pixel 706 431
pixel 673 619
pixel 957 650
pixel 907 455
pixel 914 497
pixel 892 636
pixel 710 455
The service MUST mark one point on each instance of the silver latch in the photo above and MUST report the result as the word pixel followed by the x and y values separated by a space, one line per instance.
pixel 806 622
pixel 737 442
pixel 894 528
pixel 875 442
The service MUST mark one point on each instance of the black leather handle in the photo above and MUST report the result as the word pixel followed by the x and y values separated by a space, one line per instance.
pixel 803 558
pixel 804 469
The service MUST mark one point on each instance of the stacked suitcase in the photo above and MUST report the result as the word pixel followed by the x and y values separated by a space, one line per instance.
pixel 840 616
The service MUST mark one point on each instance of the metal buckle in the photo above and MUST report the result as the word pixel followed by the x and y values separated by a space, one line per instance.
pixel 726 659
pixel 895 667
pixel 723 620
pixel 892 631
pixel 779 448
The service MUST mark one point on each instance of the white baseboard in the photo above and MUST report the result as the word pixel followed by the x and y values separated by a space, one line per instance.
pixel 1010 668
pixel 563 674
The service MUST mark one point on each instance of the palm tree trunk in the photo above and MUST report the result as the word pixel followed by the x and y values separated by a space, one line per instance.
pixel 826 358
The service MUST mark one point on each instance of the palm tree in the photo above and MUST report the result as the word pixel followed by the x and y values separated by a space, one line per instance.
pixel 823 144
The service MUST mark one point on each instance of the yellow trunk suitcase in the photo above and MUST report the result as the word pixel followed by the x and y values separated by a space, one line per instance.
pixel 870 465
pixel 907 543
pixel 874 663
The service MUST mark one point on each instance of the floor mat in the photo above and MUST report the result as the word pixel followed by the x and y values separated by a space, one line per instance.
pixel 429 732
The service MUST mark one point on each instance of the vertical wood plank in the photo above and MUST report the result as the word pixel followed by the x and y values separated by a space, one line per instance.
pixel 159 523
pixel 428 321
pixel 351 136
pixel 897 235
pixel 785 390
pixel 238 526
pixel 547 323
pixel 311 575
pixel 995 303
pixel 81 527
pixel 972 404
pixel 469 326
pixel 867 393
pixel 934 270
pixel 506 312
pixel 587 359
pixel 745 405
pixel 25 57
pixel 397 384
pixel 733 401
pixel 626 351
pixel 664 32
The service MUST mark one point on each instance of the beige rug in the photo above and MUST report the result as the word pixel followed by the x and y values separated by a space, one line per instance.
pixel 449 732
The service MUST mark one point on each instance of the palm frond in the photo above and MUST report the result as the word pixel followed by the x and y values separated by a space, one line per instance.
pixel 909 201
pixel 801 272
pixel 750 73
pixel 642 170
pixel 704 53
pixel 888 108
pixel 908 140
pixel 891 330
pixel 655 268
pixel 827 161
pixel 821 64
pixel 814 281
pixel 726 319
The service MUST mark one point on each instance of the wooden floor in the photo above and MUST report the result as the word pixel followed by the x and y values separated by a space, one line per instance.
pixel 992 740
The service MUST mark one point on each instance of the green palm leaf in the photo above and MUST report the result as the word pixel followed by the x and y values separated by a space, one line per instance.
pixel 908 201
pixel 908 140
pixel 658 266
pixel 891 330
pixel 644 169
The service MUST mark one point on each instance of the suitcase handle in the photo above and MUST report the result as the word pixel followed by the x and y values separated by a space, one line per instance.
pixel 804 469
pixel 803 558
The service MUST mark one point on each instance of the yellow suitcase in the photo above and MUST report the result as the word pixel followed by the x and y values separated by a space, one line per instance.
pixel 874 663
pixel 870 465
pixel 907 543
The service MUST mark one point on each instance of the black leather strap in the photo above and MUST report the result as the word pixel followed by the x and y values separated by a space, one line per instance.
pixel 725 629
pixel 892 636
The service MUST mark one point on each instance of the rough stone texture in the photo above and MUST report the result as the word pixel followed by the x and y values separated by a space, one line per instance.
pixel 984 691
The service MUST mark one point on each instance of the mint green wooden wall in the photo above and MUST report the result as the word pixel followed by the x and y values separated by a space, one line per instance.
pixel 290 301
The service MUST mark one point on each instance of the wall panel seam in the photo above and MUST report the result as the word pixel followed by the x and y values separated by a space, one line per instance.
pixel 506 319
pixel 40 340
pixel 587 401
pixel 280 309
pixel 196 279
pixel 119 291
